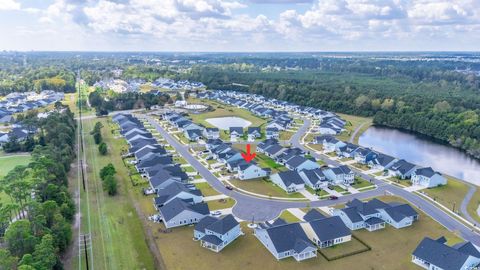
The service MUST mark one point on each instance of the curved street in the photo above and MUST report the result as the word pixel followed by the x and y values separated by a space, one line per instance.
pixel 249 207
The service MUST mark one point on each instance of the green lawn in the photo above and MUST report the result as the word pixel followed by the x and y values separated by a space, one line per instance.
pixel 221 204
pixel 288 217
pixel 114 220
pixel 451 194
pixel 265 188
pixel 206 189
pixel 361 183
pixel 352 123
pixel 391 249
pixel 8 162
pixel 223 110
pixel 339 189
pixel 285 135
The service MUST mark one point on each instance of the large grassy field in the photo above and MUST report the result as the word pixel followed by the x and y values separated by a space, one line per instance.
pixel 118 237
pixel 8 162
pixel 391 249
pixel 450 195
pixel 352 123
pixel 223 110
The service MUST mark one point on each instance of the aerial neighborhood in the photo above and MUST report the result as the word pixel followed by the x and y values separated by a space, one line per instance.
pixel 293 169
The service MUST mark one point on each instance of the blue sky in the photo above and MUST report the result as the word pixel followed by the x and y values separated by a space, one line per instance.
pixel 240 25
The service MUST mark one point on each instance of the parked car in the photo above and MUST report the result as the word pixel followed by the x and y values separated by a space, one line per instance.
pixel 216 213
pixel 333 197
pixel 229 187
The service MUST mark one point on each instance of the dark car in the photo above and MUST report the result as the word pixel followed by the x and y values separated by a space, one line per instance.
pixel 333 197
pixel 229 187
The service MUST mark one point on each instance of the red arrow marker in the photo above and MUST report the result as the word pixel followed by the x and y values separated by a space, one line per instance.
pixel 248 156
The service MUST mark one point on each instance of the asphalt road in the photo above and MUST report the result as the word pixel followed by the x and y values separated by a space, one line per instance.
pixel 261 209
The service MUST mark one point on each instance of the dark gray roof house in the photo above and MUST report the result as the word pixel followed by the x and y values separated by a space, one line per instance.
pixel 436 254
pixel 236 130
pixel 312 215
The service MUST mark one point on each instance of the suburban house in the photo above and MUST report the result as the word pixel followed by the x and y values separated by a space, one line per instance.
pixel 216 233
pixel 211 133
pixel 274 150
pixel 327 231
pixel 177 190
pixel 278 125
pixel 347 151
pixel 235 133
pixel 315 178
pixel 329 143
pixel 251 171
pixel 436 254
pixel 313 214
pixel 290 181
pixel 180 213
pixel 253 133
pixel 329 128
pixel 272 133
pixel 357 215
pixel 262 146
pixel 299 163
pixel 285 240
pixel 428 178
pixel 381 162
pixel 341 175
pixel 399 215
pixel 193 135
pixel 372 215
pixel 288 154
pixel 364 155
pixel 401 169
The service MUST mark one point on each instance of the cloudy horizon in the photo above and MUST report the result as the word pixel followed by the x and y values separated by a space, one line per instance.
pixel 239 25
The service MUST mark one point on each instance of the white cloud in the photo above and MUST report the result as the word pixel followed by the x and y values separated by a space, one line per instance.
pixel 9 5
pixel 236 25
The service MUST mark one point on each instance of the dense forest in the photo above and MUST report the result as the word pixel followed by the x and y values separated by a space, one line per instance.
pixel 105 101
pixel 447 110
pixel 35 222
pixel 436 94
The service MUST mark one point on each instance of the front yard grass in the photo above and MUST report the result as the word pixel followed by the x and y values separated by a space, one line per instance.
pixel 289 217
pixel 206 189
pixel 285 135
pixel 221 204
pixel 264 187
pixel 361 183
pixel 8 162
pixel 391 249
pixel 361 166
pixel 450 195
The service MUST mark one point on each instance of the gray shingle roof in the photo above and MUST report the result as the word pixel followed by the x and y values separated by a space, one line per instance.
pixel 289 177
pixel 313 214
pixel 440 255
pixel 177 206
pixel 330 228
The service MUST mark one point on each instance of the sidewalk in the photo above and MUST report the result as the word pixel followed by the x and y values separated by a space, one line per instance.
pixel 214 198
pixel 308 195
pixel 414 188
pixel 333 192
pixel 296 212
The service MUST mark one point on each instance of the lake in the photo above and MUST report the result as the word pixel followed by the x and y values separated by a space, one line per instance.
pixel 423 151
pixel 226 122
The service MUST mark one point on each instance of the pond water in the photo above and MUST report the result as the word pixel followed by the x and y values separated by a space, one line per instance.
pixel 226 122
pixel 423 151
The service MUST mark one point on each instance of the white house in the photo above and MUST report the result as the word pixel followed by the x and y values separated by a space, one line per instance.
pixel 216 233
pixel 251 171
pixel 340 175
pixel 428 178
pixel 290 181
pixel 181 213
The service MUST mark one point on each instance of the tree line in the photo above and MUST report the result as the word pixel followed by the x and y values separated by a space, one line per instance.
pixel 445 110
pixel 35 221
pixel 105 101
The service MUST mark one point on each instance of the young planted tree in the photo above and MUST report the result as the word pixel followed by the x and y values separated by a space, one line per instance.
pixel 103 149
pixel 110 185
